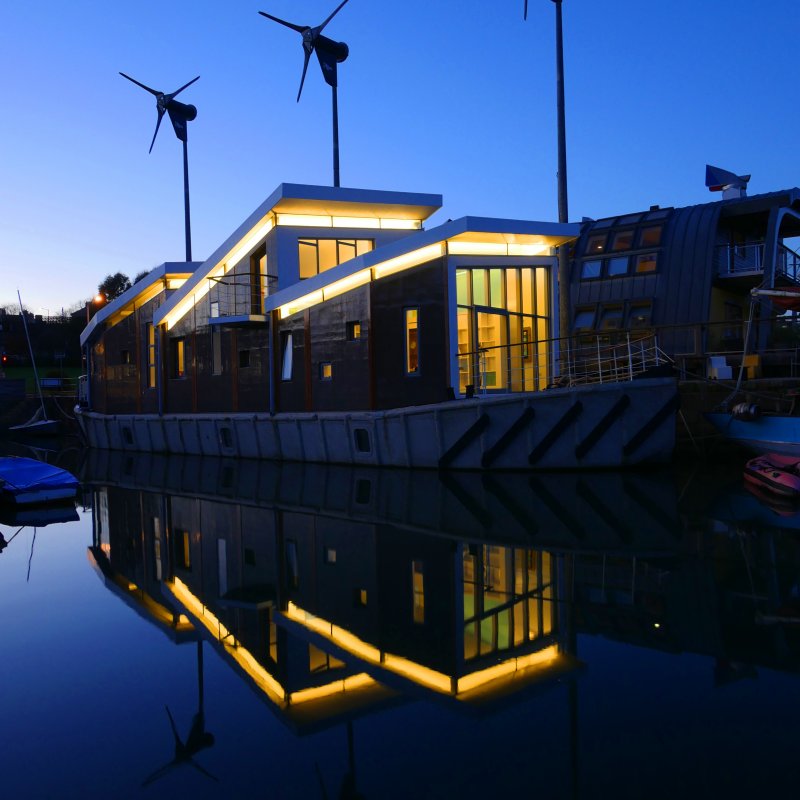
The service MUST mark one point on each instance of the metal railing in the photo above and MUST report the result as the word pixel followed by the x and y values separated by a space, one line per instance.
pixel 744 258
pixel 237 295
pixel 567 361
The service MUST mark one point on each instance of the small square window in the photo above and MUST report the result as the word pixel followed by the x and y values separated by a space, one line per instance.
pixel 611 318
pixel 591 269
pixel 650 237
pixel 125 357
pixel 214 309
pixel 353 330
pixel 244 358
pixel 646 262
pixel 360 597
pixel 639 316
pixel 623 240
pixel 596 244
pixel 325 371
pixel 617 266
pixel 330 555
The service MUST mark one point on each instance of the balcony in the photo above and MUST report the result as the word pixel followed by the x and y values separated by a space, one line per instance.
pixel 746 261
pixel 238 299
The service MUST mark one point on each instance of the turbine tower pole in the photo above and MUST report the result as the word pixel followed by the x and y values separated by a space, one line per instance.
pixel 335 93
pixel 563 208
pixel 187 216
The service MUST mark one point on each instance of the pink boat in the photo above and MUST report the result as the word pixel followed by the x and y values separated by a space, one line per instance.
pixel 776 473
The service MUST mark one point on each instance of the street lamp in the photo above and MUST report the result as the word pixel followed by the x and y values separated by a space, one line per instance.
pixel 98 300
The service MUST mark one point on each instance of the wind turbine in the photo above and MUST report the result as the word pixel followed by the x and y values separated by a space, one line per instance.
pixel 180 114
pixel 329 54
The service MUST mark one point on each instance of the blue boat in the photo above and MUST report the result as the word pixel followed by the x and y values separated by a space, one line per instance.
pixel 759 433
pixel 26 481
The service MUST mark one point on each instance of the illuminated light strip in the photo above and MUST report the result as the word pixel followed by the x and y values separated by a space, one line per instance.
pixel 325 221
pixel 346 284
pixel 509 667
pixel 233 257
pixel 240 654
pixel 495 249
pixel 356 222
pixel 390 267
pixel 401 224
pixel 301 303
pixel 408 260
pixel 477 248
pixel 417 673
pixel 351 684
pixel 175 283
pixel 528 249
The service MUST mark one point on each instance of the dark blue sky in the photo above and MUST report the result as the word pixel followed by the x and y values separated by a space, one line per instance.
pixel 437 96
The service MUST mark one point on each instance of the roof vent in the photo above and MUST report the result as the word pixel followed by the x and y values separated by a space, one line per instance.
pixel 655 208
pixel 731 185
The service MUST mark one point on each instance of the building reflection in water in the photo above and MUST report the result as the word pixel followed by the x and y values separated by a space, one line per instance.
pixel 335 592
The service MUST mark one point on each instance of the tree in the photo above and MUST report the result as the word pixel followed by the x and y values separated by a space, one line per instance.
pixel 141 275
pixel 114 285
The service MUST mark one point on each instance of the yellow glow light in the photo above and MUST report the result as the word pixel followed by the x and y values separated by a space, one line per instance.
pixel 301 303
pixel 175 283
pixel 476 679
pixel 346 284
pixel 359 681
pixel 305 220
pixel 408 260
pixel 356 222
pixel 235 254
pixel 528 249
pixel 477 248
pixel 419 674
pixel 241 655
pixel 401 224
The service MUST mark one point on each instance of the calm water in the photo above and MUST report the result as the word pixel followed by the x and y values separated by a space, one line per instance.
pixel 337 633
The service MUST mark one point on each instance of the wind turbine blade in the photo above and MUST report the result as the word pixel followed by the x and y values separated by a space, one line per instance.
pixel 525 15
pixel 203 771
pixel 298 28
pixel 146 88
pixel 176 93
pixel 172 725
pixel 303 79
pixel 338 9
pixel 159 773
pixel 158 125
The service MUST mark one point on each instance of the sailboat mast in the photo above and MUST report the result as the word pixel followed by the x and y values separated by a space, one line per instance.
pixel 30 350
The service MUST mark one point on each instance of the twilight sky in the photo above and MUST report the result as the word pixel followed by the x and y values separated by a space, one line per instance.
pixel 449 96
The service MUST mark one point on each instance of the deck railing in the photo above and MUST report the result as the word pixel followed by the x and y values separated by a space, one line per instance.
pixel 568 361
pixel 740 259
pixel 237 295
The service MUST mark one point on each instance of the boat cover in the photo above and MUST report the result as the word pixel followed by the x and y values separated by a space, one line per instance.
pixel 20 476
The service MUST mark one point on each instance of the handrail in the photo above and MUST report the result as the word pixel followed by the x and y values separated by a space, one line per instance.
pixel 235 294
pixel 564 361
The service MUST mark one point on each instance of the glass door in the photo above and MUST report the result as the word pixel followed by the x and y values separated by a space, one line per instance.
pixel 492 341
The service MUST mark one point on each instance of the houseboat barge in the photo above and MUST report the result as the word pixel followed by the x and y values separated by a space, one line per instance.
pixel 333 327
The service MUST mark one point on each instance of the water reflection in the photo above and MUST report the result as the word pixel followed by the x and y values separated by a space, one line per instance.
pixel 340 592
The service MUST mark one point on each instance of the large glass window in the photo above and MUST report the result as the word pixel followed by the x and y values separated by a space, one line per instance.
pixel 503 324
pixel 623 240
pixel 319 255
pixel 617 266
pixel 418 591
pixel 151 355
pixel 286 356
pixel 650 237
pixel 178 359
pixel 412 341
pixel 596 244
